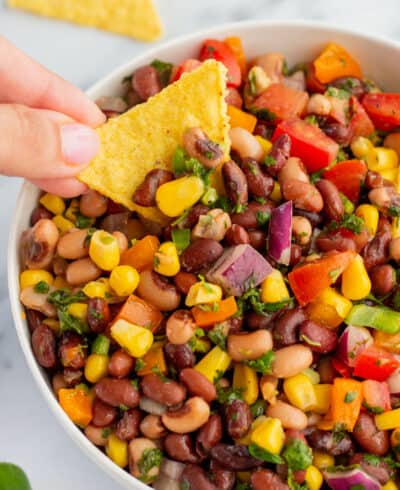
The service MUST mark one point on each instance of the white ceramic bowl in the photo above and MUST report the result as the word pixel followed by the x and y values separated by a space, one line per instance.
pixel 299 41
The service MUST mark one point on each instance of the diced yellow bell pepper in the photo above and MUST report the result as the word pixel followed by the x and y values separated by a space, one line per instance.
pixel 166 260
pixel 329 308
pixel 312 375
pixel 96 367
pixel 53 324
pixel 269 435
pixel 117 450
pixel 203 293
pixel 133 338
pixel 245 379
pixel 395 227
pixel 387 159
pixel 78 310
pixel 323 398
pixel 124 279
pixel 390 174
pixel 72 210
pixel 54 204
pixel 370 215
pixel 273 288
pixel 314 478
pixel 213 364
pixel 32 276
pixel 395 442
pixel 61 283
pixel 390 485
pixel 266 145
pixel 241 119
pixel 356 283
pixel 388 420
pixel 276 194
pixel 63 224
pixel 300 392
pixel 246 440
pixel 177 195
pixel 104 250
pixel 96 289
pixel 322 460
pixel 387 341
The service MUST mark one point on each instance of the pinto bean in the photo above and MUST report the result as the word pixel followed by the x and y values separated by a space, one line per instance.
pixel 279 154
pixel 304 196
pixel 145 194
pixel 222 478
pixel 127 427
pixel 98 314
pixel 197 384
pixel 258 239
pixel 194 477
pixel 376 252
pixel 184 281
pixel 317 337
pixel 82 271
pixel 235 182
pixel 209 435
pixel 234 457
pixel 44 346
pixel 369 437
pixel 73 245
pixel 238 418
pixel 249 346
pixel 117 392
pixel 248 218
pixel 291 417
pixel 293 168
pixel 236 235
pixel 103 414
pixel 201 254
pixel 291 360
pixel 180 448
pixel 333 204
pixel 93 204
pixel 286 326
pixel 383 279
pixel 263 479
pixel 259 184
pixel 162 390
pixel 198 145
pixel 146 82
pixel 158 291
pixel 120 364
pixel 323 440
pixel 72 350
pixel 151 427
pixel 179 356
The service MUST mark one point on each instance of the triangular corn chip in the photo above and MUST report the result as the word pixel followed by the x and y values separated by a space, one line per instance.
pixel 135 18
pixel 148 134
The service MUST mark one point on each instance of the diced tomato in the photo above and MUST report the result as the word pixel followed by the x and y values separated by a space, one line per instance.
pixel 282 102
pixel 342 368
pixel 348 176
pixel 312 83
pixel 186 67
pixel 360 123
pixel 374 363
pixel 376 395
pixel 309 143
pixel 383 109
pixel 218 50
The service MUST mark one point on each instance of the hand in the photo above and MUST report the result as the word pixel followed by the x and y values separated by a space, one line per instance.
pixel 46 123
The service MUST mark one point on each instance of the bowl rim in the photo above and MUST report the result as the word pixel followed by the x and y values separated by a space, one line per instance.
pixel 116 473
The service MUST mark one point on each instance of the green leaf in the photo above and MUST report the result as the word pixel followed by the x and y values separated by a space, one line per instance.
pixel 315 176
pixel 151 458
pixel 13 478
pixel 262 217
pixel 226 395
pixel 62 297
pixel 372 459
pixel 394 211
pixel 181 238
pixel 258 408
pixel 297 454
pixel 349 221
pixel 82 221
pixel 312 119
pixel 217 336
pixel 260 453
pixel 178 161
pixel 164 70
pixel 269 161
pixel 350 396
pixel 339 93
pixel 263 113
pixel 139 364
pixel 263 364
pixel 42 287
pixel 69 322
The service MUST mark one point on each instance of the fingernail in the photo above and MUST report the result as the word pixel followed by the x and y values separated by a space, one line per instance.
pixel 79 143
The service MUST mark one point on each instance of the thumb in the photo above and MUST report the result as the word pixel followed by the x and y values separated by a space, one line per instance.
pixel 40 144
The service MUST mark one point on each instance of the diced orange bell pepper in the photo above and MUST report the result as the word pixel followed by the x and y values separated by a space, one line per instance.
pixel 77 404
pixel 310 279
pixel 154 359
pixel 335 62
pixel 235 43
pixel 224 310
pixel 347 396
pixel 137 311
pixel 141 254
pixel 241 119
pixel 387 341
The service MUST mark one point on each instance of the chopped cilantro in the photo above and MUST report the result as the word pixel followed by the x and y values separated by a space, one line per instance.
pixel 217 335
pixel 370 408
pixel 339 93
pixel 394 211
pixel 258 408
pixel 41 287
pixel 349 221
pixel 269 161
pixel 139 364
pixel 223 203
pixel 83 221
pixel 240 485
pixel 214 306
pixel 164 70
pixel 297 454
pixel 251 299
pixel 195 343
pixel 69 322
pixel 181 218
pixel 260 200
pixel 178 161
pixel 226 395
pixel 252 83
pixel 312 119
pixel 315 176
pixel 62 297
pixel 181 238
pixel 359 486
pixel 156 370
pixel 261 453
pixel 263 114
pixel 88 236
pixel 341 156
pixel 293 484
pixel 151 458
pixel 339 432
pixel 263 364
pixel 396 300
pixel 372 459
pixel 123 407
pixel 156 261
pixel 105 432
pixel 262 217
pixel 239 208
pixel 334 274
pixel 350 396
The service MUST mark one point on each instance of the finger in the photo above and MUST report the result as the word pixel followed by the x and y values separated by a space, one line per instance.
pixel 24 81
pixel 68 187
pixel 38 144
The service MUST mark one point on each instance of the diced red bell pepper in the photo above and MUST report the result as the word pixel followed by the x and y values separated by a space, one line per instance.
pixel 376 396
pixel 282 102
pixel 342 368
pixel 309 280
pixel 348 176
pixel 383 109
pixel 220 51
pixel 312 83
pixel 374 363
pixel 309 143
pixel 186 67
pixel 360 123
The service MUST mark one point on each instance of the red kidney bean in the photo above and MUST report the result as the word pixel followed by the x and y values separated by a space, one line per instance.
pixel 195 478
pixel 120 364
pixel 254 321
pixel 304 195
pixel 376 252
pixel 351 84
pixel 117 392
pixel 317 337
pixel 40 213
pixel 369 437
pixel 145 82
pixel 248 217
pixel 263 130
pixel 383 279
pixel 326 370
pixel 381 471
pixel 314 218
pixel 145 194
pixel 180 448
pixel 235 182
pixel 323 440
pixel 44 346
pixel 258 239
pixel 193 216
pixel 238 419
pixel 103 414
pixel 127 427
pixel 98 314
pixel 333 204
pixel 279 153
pixel 209 435
pixel 197 384
pixel 72 350
pixel 184 281
pixel 373 180
pixel 34 319
pixel 222 478
pixel 286 326
pixel 236 235
pixel 162 390
pixel 295 254
pixel 234 324
pixel 179 356
pixel 326 242
pixel 234 98
pixel 266 479
pixel 234 457
pixel 72 377
pixel 338 132
pixel 201 254
pixel 115 222
pixel 259 184
pixel 384 224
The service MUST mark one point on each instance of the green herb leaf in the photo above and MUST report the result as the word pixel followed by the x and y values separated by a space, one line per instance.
pixel 349 221
pixel 180 218
pixel 312 119
pixel 164 70
pixel 339 432
pixel 269 161
pixel 105 432
pixel 151 458
pixel 350 396
pixel 258 408
pixel 227 395
pixel 394 211
pixel 217 335
pixel 181 238
pixel 339 93
pixel 297 454
pixel 359 486
pixel 262 218
pixel 195 343
pixel 139 364
pixel 372 459
pixel 83 221
pixel 263 364
pixel 260 453
pixel 263 114
pixel 62 297
pixel 41 287
pixel 240 485
pixel 69 322
pixel 178 161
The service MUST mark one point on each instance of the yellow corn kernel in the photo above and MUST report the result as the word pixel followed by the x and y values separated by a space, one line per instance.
pixel 55 204
pixel 124 279
pixel 269 435
pixel 387 159
pixel 133 338
pixel 300 392
pixel 61 283
pixel 78 310
pixel 322 460
pixel 95 289
pixel 245 379
pixel 323 398
pixel 96 367
pixel 276 194
pixel 177 195
pixel 53 324
pixel 314 478
pixel 395 227
pixel 266 145
pixel 273 288
pixel 203 293
pixel 390 485
pixel 72 210
pixel 63 224
pixel 166 260
pixel 356 283
pixel 329 308
pixel 33 276
pixel 387 341
pixel 312 375
pixel 246 440
pixel 117 450
pixel 213 364
pixel 389 174
pixel 361 147
pixel 370 215
pixel 104 250
pixel 388 420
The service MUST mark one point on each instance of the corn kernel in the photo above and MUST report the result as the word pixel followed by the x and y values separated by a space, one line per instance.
pixel 273 288
pixel 331 297
pixel 133 338
pixel 177 195
pixel 269 435
pixel 322 460
pixel 245 379
pixel 312 375
pixel 78 310
pixel 33 276
pixel 265 145
pixel 390 485
pixel 95 289
pixel 124 279
pixel 246 440
pixel 72 210
pixel 213 364
pixel 300 392
pixel 387 159
pixel 314 478
pixel 361 147
pixel 63 224
pixel 61 283
pixel 203 293
pixel 356 283
pixel 104 250
pixel 276 194
pixel 117 450
pixel 389 174
pixel 370 215
pixel 54 204
pixel 166 260
pixel 53 324
pixel 395 227
pixel 323 398
pixel 96 367
pixel 388 420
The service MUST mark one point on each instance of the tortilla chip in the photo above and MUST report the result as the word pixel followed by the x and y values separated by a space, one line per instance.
pixel 147 135
pixel 135 18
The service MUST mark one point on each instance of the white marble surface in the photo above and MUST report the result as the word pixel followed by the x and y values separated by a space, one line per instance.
pixel 29 434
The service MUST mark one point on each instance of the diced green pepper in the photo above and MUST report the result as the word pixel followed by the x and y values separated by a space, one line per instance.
pixel 378 317
pixel 101 345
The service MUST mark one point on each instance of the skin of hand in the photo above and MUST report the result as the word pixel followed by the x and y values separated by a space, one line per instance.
pixel 46 125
